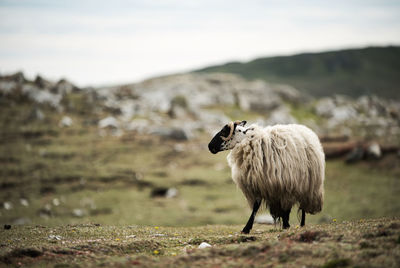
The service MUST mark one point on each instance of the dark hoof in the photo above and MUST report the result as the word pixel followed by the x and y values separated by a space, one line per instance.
pixel 245 231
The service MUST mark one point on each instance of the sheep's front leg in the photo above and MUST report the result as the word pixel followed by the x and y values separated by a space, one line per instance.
pixel 285 219
pixel 250 222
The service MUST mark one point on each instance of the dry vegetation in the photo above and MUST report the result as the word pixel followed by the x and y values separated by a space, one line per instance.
pixel 362 243
pixel 83 199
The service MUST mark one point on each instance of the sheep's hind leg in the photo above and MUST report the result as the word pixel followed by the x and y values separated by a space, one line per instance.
pixel 250 222
pixel 303 218
pixel 285 219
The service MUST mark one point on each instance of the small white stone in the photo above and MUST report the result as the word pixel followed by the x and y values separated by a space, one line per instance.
pixel 204 245
pixel 66 121
pixel 158 235
pixel 54 237
pixel 264 219
pixel 171 193
pixel 130 236
pixel 8 205
pixel 374 150
pixel 47 207
pixel 24 202
pixel 56 202
pixel 77 212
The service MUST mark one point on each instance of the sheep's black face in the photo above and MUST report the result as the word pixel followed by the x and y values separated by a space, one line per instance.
pixel 223 140
pixel 216 143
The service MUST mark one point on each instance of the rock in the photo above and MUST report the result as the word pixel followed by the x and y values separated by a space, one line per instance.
pixel 374 150
pixel 45 213
pixel 130 236
pixel 109 122
pixel 79 213
pixel 288 93
pixel 56 202
pixel 7 87
pixel 141 126
pixel 340 115
pixel 64 87
pixel 204 245
pixel 264 219
pixel 164 192
pixel 280 116
pixel 22 221
pixel 261 99
pixel 41 96
pixel 159 192
pixel 43 83
pixel 177 112
pixel 18 77
pixel 197 90
pixel 159 235
pixel 36 115
pixel 54 237
pixel 66 121
pixel 24 202
pixel 324 107
pixel 171 193
pixel 173 133
pixel 355 155
pixel 8 205
pixel 343 113
pixel 213 118
pixel 128 109
pixel 179 148
pixel 157 100
pixel 325 219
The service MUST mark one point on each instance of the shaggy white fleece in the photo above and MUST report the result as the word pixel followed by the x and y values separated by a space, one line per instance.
pixel 281 165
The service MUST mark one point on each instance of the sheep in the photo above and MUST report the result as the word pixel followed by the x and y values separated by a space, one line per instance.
pixel 280 165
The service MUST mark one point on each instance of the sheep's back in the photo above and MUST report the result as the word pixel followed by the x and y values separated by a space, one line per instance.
pixel 281 164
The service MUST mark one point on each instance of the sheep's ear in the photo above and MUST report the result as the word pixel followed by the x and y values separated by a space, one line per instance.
pixel 242 123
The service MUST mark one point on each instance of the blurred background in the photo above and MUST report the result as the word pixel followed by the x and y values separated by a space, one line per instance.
pixel 106 109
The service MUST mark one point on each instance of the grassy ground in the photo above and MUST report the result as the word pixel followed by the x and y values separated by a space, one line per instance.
pixel 75 175
pixel 362 243
pixel 93 190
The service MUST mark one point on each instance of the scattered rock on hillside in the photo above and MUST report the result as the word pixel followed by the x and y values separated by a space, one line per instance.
pixel 64 87
pixel 374 150
pixel 36 114
pixel 258 97
pixel 204 245
pixel 174 133
pixel 18 77
pixel 7 87
pixel 109 122
pixel 42 83
pixel 141 126
pixel 324 107
pixel 280 116
pixel 164 192
pixel 66 121
pixel 289 93
pixel 41 96
pixel 178 107
pixel 264 219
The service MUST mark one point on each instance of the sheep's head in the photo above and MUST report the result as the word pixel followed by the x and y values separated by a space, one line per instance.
pixel 230 135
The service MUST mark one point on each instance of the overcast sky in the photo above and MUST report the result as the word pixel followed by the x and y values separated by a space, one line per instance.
pixel 107 42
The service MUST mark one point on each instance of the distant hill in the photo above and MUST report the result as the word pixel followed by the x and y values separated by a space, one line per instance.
pixel 353 72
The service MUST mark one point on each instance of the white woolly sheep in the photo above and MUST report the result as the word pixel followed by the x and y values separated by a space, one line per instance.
pixel 279 165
